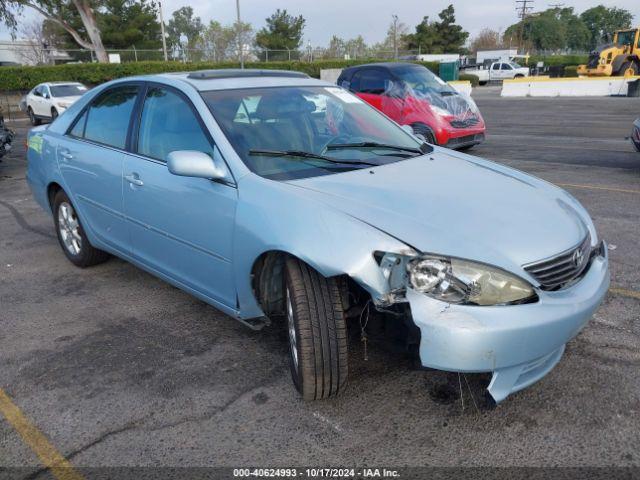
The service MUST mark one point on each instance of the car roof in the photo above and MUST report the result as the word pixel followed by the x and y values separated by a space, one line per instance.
pixel 230 79
pixel 53 84
pixel 349 71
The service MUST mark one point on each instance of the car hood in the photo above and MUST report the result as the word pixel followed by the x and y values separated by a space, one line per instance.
pixel 457 205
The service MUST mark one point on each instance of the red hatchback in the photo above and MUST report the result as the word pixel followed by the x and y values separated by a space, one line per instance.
pixel 412 95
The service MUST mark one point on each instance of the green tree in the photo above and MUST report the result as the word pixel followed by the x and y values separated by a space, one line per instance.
pixel 442 36
pixel 282 32
pixel 58 11
pixel 552 29
pixel 603 21
pixel 183 22
pixel 123 24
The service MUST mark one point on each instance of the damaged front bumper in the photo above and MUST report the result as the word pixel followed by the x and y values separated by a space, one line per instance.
pixel 519 344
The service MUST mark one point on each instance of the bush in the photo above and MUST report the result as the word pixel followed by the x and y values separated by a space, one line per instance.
pixel 25 78
pixel 475 81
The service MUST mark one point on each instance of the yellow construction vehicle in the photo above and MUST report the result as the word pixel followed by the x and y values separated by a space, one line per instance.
pixel 621 58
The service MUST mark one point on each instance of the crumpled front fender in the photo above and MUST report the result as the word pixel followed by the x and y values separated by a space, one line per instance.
pixel 520 344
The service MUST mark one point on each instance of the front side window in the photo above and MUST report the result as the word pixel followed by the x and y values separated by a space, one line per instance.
pixel 626 38
pixel 109 115
pixel 506 66
pixel 372 82
pixel 262 123
pixel 168 124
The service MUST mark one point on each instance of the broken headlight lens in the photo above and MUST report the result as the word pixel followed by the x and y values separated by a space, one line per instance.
pixel 463 282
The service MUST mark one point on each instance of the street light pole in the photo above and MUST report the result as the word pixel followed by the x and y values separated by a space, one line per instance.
pixel 164 40
pixel 395 36
pixel 239 34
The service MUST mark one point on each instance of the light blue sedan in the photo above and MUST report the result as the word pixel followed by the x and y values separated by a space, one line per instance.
pixel 286 201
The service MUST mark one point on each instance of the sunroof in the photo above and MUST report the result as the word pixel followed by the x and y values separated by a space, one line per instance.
pixel 236 72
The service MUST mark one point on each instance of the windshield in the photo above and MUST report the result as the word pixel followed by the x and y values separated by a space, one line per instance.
pixel 421 79
pixel 625 38
pixel 72 90
pixel 276 131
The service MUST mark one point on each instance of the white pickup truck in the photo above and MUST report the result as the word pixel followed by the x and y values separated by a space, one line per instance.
pixel 501 70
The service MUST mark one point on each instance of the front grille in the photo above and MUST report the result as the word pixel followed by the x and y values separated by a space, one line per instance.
pixel 556 272
pixel 467 122
pixel 466 140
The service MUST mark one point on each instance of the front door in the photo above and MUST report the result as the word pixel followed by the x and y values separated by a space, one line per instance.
pixel 90 157
pixel 180 227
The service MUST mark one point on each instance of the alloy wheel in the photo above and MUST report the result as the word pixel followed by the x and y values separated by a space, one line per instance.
pixel 69 228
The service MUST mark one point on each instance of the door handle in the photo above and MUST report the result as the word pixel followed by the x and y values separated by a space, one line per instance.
pixel 66 155
pixel 134 179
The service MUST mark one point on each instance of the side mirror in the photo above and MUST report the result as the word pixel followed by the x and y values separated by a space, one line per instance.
pixel 45 95
pixel 192 163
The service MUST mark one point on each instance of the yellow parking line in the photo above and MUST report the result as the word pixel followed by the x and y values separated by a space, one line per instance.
pixel 625 293
pixel 49 456
pixel 597 187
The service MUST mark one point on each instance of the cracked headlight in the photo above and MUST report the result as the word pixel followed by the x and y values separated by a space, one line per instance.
pixel 463 282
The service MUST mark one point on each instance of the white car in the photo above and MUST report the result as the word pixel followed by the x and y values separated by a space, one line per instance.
pixel 502 70
pixel 48 100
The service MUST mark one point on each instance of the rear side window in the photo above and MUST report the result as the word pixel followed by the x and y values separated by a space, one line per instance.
pixel 78 128
pixel 108 116
pixel 372 81
pixel 168 124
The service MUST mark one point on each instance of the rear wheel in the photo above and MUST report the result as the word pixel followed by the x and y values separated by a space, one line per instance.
pixel 425 132
pixel 317 332
pixel 629 69
pixel 71 236
pixel 32 117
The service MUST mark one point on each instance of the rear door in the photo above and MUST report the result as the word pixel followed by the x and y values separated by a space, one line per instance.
pixel 181 227
pixel 91 156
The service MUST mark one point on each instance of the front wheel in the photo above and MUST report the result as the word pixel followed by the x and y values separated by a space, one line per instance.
pixel 73 240
pixel 629 69
pixel 317 332
pixel 54 114
pixel 422 130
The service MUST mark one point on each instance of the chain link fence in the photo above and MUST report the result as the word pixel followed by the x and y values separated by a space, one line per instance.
pixel 27 53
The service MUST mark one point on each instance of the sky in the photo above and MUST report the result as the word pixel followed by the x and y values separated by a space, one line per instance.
pixel 369 18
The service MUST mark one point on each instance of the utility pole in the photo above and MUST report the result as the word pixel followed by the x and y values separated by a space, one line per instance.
pixel 523 7
pixel 395 36
pixel 239 34
pixel 164 39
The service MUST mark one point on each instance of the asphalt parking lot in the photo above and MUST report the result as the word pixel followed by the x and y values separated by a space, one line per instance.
pixel 117 368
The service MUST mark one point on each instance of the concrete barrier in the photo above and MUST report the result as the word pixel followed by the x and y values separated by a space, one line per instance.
pixel 462 86
pixel 566 87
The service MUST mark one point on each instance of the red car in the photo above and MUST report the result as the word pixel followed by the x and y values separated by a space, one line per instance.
pixel 410 94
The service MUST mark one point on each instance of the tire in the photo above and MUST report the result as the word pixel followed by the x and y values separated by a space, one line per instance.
pixel 71 236
pixel 425 131
pixel 466 148
pixel 54 114
pixel 35 121
pixel 317 332
pixel 628 69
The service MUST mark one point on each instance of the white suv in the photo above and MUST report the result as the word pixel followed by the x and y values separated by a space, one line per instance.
pixel 48 100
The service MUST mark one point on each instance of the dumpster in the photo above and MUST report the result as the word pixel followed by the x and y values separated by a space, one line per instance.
pixel 449 71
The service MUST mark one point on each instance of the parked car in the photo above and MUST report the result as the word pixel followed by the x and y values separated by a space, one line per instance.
pixel 412 95
pixel 635 134
pixel 503 70
pixel 284 200
pixel 48 100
